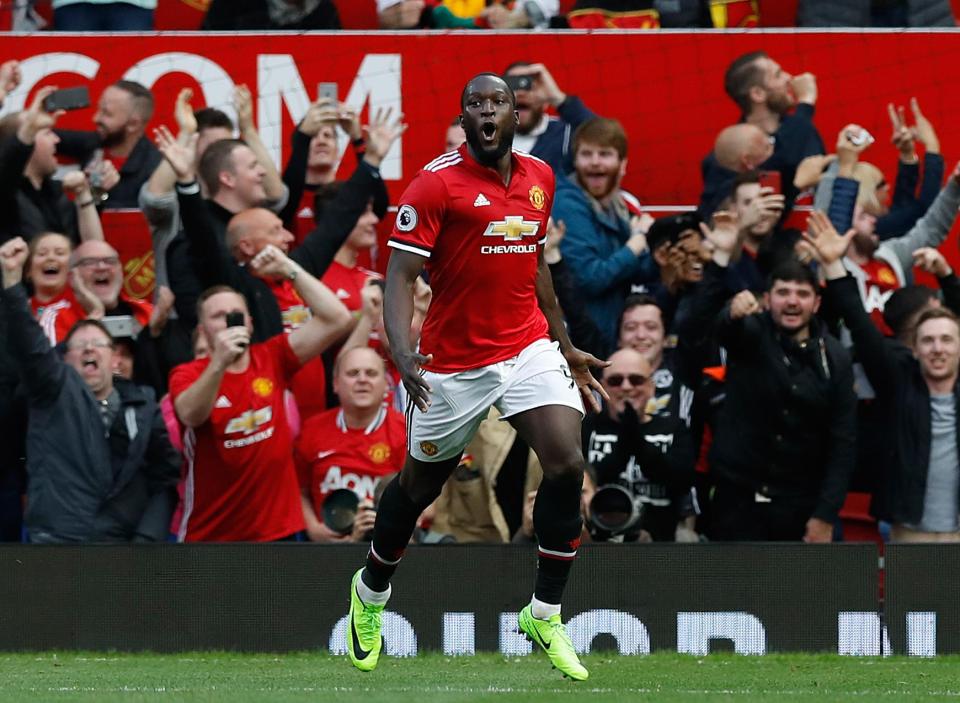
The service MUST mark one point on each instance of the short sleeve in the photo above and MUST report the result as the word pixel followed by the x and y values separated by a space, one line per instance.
pixel 184 376
pixel 287 362
pixel 420 214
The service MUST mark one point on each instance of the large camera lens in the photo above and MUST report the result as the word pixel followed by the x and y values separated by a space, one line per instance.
pixel 613 509
pixel 340 510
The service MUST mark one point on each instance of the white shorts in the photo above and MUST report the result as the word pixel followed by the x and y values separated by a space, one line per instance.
pixel 460 401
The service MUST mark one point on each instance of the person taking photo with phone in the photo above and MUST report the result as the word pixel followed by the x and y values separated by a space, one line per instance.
pixel 242 484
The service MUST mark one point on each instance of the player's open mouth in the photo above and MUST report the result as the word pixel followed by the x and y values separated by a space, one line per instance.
pixel 488 130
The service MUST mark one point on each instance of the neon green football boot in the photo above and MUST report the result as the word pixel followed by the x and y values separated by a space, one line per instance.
pixel 364 640
pixel 552 636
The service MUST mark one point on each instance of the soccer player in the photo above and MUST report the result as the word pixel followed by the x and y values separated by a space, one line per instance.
pixel 477 218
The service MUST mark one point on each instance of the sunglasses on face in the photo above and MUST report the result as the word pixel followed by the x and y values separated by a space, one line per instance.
pixel 616 379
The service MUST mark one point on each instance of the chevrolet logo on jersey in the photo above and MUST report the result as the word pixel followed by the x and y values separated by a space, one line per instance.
pixel 250 421
pixel 513 229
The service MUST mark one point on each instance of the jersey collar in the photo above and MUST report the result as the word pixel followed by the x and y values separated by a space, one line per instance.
pixel 371 428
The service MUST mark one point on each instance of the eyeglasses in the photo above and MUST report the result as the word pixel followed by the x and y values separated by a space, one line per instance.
pixel 91 261
pixel 616 379
pixel 81 344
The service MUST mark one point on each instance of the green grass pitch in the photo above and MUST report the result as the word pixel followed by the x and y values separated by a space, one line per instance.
pixel 238 678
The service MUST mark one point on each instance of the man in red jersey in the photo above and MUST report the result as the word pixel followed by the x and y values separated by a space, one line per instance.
pixel 241 482
pixel 477 218
pixel 352 446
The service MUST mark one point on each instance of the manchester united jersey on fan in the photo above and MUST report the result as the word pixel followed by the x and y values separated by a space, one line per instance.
pixel 330 455
pixel 481 239
pixel 241 481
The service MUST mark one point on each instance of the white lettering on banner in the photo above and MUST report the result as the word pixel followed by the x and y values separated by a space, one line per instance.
pixel 216 84
pixel 512 643
pixel 859 634
pixel 459 634
pixel 36 68
pixel 363 486
pixel 279 84
pixel 695 630
pixel 399 638
pixel 630 633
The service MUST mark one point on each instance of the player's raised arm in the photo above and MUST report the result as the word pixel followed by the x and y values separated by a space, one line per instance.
pixel 402 272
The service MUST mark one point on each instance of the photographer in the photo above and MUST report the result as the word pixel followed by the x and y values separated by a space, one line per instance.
pixel 353 446
pixel 652 457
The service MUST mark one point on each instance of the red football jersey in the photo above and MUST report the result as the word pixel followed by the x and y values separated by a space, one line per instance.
pixel 241 480
pixel 346 283
pixel 481 239
pixel 330 455
pixel 57 316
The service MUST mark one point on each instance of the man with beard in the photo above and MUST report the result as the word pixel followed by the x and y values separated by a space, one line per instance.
pixel 779 104
pixel 538 133
pixel 784 442
pixel 100 464
pixel 477 218
pixel 605 247
pixel 121 119
pixel 102 274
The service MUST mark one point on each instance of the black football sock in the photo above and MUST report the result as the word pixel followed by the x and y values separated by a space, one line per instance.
pixel 396 519
pixel 557 523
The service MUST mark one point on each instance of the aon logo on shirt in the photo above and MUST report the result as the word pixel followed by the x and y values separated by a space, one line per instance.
pixel 363 486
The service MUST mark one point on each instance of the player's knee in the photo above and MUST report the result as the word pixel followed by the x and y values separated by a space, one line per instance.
pixel 422 490
pixel 564 467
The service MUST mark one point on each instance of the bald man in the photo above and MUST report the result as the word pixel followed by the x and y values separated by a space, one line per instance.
pixel 742 147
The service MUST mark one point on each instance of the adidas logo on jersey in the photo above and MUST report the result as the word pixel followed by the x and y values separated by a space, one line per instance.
pixel 223 402
pixel 481 201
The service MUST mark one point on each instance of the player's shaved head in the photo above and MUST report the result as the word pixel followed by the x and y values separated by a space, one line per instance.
pixel 481 81
pixel 742 147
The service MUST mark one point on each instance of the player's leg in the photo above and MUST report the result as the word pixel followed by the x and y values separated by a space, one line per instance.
pixel 543 404
pixel 553 432
pixel 435 442
pixel 400 506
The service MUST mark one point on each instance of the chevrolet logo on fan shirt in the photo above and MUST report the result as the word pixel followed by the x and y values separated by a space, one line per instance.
pixel 250 420
pixel 512 228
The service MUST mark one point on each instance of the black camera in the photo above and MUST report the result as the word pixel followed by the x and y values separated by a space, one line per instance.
pixel 518 82
pixel 615 510
pixel 340 509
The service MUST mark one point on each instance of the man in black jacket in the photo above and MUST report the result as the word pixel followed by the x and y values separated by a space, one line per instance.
pixel 123 111
pixel 917 389
pixel 31 202
pixel 783 448
pixel 100 464
pixel 651 456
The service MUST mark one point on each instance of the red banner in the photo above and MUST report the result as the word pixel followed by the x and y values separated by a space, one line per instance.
pixel 666 88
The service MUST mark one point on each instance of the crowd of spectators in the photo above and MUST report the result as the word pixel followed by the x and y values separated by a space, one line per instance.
pixel 763 363
pixel 302 15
